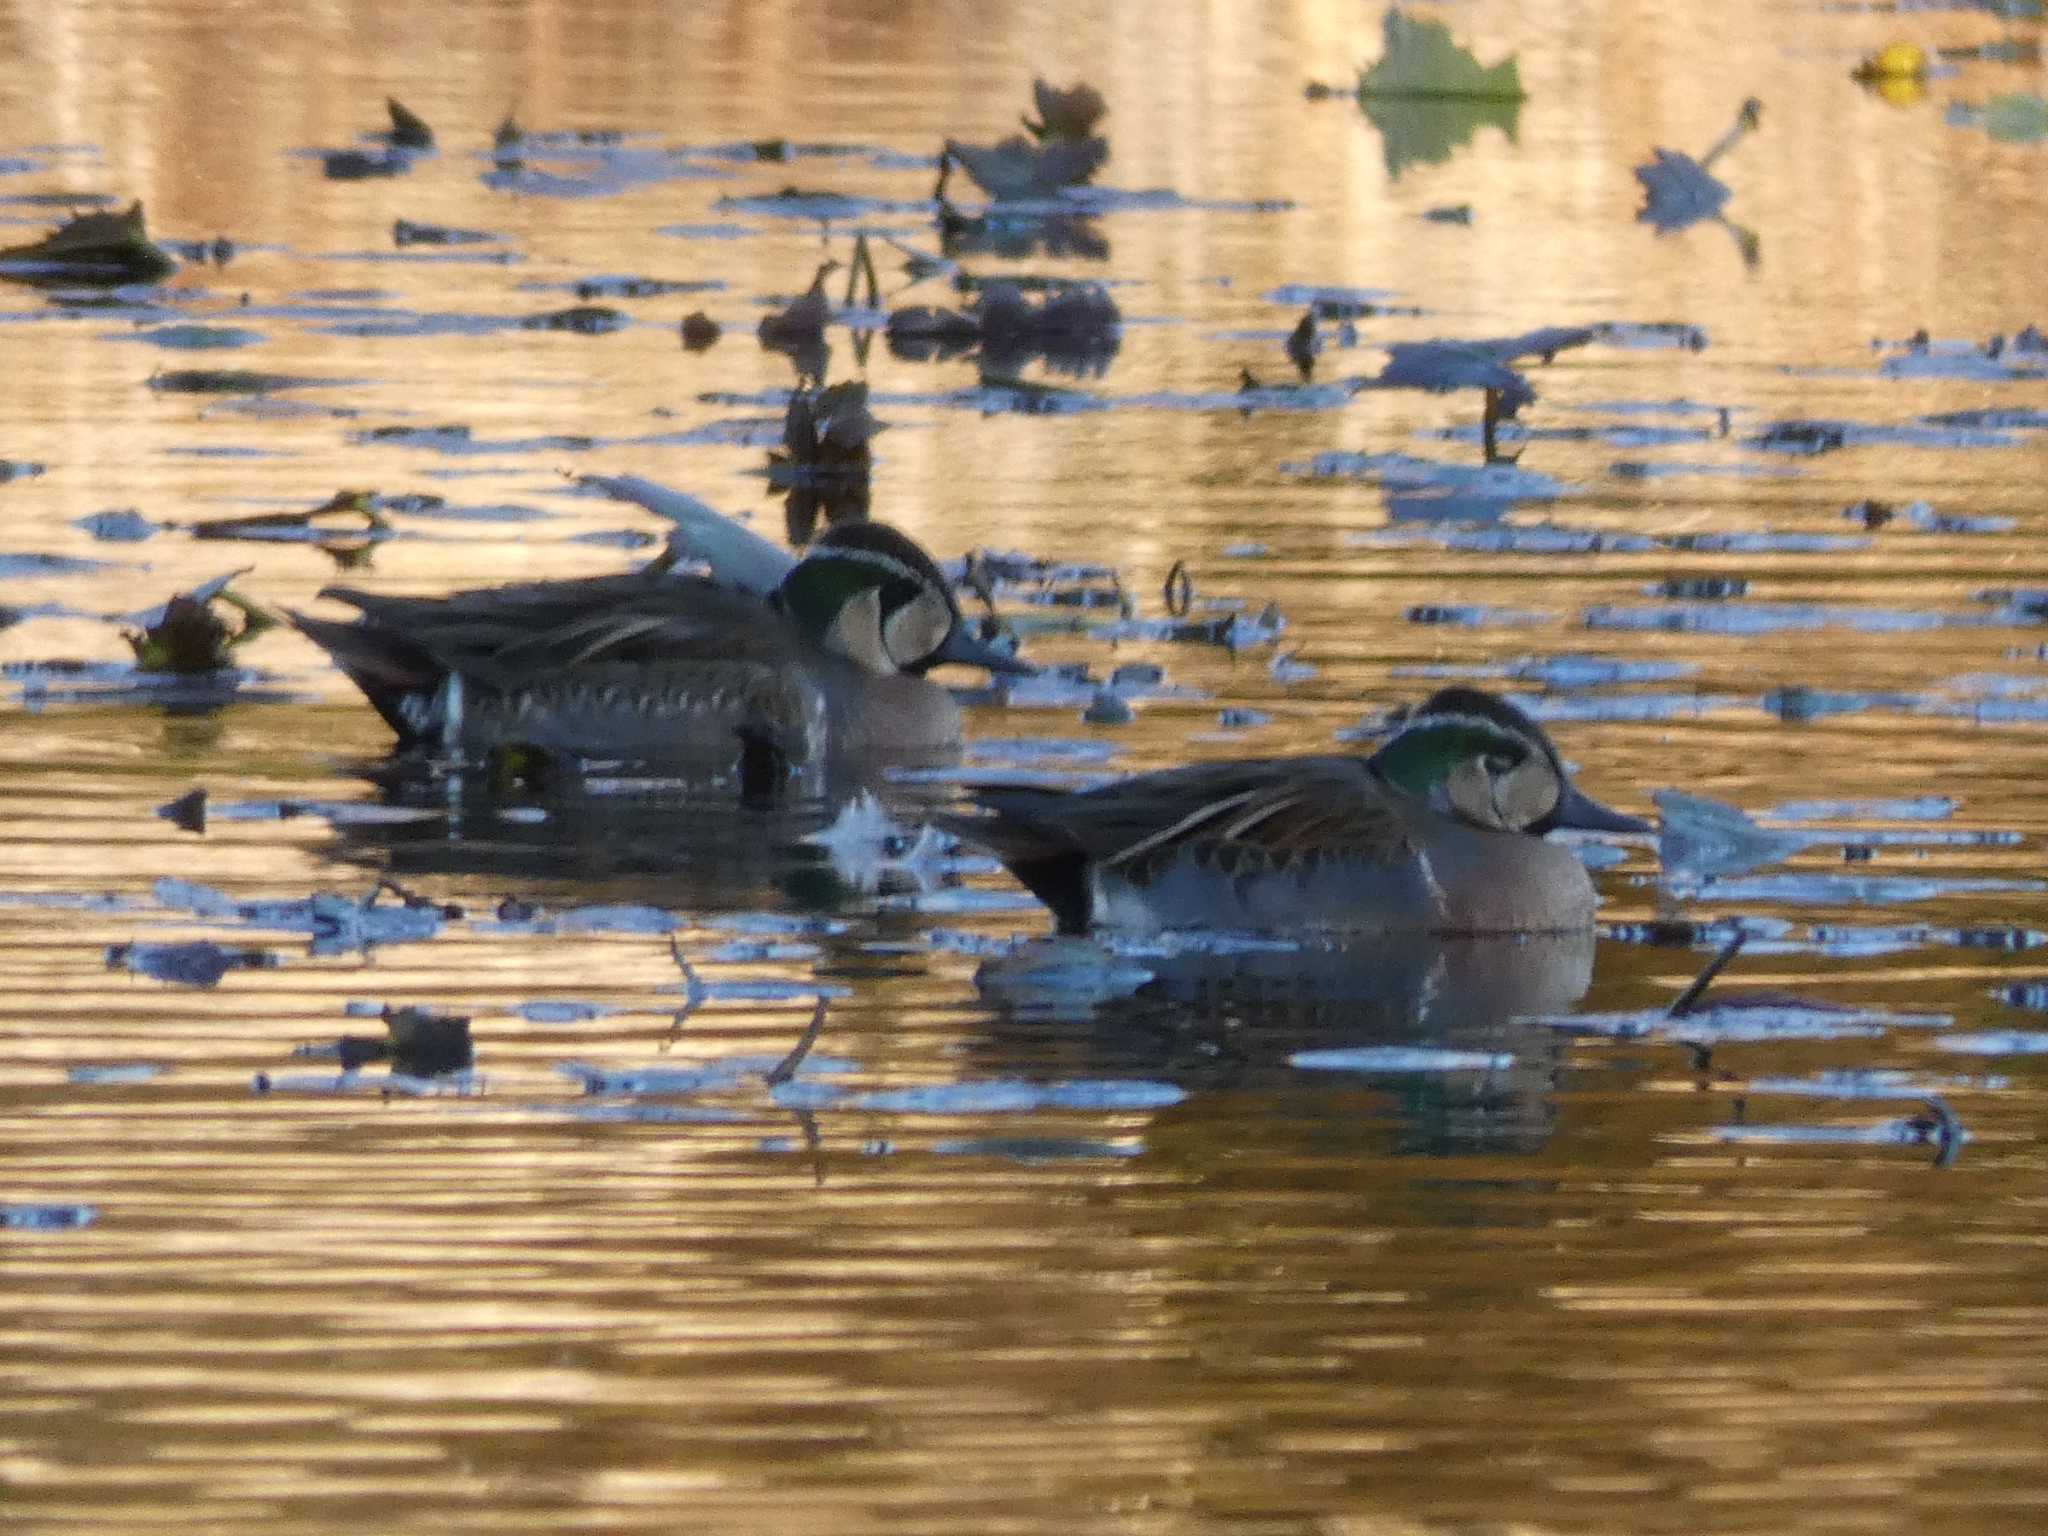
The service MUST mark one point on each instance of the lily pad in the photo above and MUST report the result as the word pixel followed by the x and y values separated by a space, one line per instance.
pixel 1422 59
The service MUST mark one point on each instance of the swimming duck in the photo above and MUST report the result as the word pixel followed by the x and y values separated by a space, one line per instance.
pixel 1439 831
pixel 828 667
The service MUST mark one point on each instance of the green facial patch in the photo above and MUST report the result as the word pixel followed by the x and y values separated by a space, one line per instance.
pixel 1424 753
pixel 821 585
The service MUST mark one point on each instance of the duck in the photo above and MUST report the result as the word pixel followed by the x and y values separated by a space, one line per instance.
pixel 1440 831
pixel 827 669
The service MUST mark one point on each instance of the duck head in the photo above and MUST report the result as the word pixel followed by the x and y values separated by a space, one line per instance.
pixel 1477 758
pixel 868 593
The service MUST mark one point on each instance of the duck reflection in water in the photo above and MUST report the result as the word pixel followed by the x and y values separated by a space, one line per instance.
pixel 1429 1030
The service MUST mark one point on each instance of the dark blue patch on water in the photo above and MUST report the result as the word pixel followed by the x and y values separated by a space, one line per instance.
pixel 46 1218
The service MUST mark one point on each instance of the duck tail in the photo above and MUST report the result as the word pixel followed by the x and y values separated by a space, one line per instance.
pixel 1046 860
pixel 388 668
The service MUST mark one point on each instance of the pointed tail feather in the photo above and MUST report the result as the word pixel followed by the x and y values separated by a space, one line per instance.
pixel 385 666
pixel 1046 861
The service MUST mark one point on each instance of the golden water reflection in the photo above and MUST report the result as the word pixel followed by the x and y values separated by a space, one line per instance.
pixel 1558 1295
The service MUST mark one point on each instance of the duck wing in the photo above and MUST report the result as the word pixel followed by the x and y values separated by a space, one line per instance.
pixel 504 636
pixel 511 639
pixel 1240 818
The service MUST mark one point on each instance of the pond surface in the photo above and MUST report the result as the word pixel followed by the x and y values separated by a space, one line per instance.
pixel 1409 1241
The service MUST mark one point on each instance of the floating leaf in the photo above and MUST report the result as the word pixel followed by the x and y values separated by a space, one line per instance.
pixel 190 634
pixel 1019 170
pixel 2017 119
pixel 1679 191
pixel 94 247
pixel 1699 839
pixel 1396 1058
pixel 1070 114
pixel 1421 59
pixel 408 129
pixel 228 381
pixel 199 963
pixel 416 1043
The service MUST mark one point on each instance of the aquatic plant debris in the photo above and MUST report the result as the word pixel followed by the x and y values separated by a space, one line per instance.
pixel 1405 472
pixel 1002 1096
pixel 2006 1042
pixel 1679 191
pixel 2013 118
pixel 1420 59
pixel 1655 504
pixel 1745 1022
pixel 1397 1058
pixel 46 1218
pixel 416 1042
pixel 1701 839
pixel 194 964
pixel 334 923
pixel 100 248
pixel 192 634
pixel 1063 150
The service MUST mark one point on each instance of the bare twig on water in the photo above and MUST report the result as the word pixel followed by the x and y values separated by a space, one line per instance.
pixel 863 265
pixel 1490 419
pixel 1180 590
pixel 786 1068
pixel 693 985
pixel 814 1143
pixel 1688 1000
pixel 1940 1129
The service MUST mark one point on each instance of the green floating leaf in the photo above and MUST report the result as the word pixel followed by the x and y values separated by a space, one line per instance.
pixel 2017 119
pixel 1422 60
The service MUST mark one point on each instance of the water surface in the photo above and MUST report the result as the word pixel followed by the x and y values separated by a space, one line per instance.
pixel 1033 1258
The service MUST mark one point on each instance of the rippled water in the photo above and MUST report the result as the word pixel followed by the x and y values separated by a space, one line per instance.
pixel 1362 1242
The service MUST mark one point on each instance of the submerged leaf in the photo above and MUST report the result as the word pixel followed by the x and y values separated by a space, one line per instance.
pixel 1017 169
pixel 2017 119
